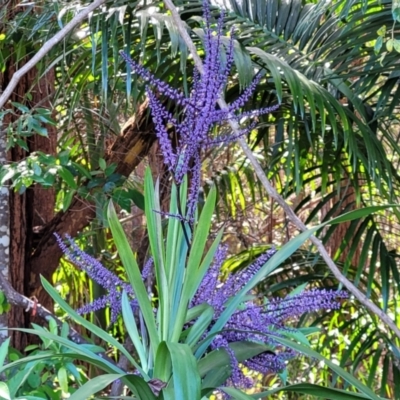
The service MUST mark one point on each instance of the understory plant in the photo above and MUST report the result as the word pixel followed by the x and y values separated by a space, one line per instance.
pixel 192 331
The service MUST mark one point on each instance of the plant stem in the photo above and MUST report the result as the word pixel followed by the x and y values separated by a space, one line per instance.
pixel 274 194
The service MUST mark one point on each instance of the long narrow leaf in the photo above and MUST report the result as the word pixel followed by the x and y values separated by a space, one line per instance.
pixel 88 325
pixel 336 368
pixel 315 390
pixel 133 332
pixel 94 385
pixel 196 254
pixel 135 278
pixel 155 232
pixel 185 374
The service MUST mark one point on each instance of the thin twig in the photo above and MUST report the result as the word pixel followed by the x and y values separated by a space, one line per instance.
pixel 46 49
pixel 274 194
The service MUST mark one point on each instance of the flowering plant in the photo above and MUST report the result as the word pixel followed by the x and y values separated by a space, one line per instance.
pixel 191 335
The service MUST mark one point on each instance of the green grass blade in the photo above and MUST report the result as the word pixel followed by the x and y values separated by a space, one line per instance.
pixel 177 239
pixel 193 284
pixel 359 213
pixel 172 234
pixel 201 233
pixel 217 359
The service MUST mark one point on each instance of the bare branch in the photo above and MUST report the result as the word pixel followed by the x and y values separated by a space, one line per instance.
pixel 46 49
pixel 274 194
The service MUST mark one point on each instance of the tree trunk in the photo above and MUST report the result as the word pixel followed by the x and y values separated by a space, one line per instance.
pixel 35 207
pixel 4 235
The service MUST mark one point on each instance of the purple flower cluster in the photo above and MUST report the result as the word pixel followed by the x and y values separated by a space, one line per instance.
pixel 200 111
pixel 254 321
pixel 257 321
pixel 102 276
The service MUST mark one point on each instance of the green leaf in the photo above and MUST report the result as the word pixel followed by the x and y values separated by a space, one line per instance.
pixel 139 387
pixel 218 359
pixel 177 358
pixel 378 44
pixel 7 172
pixel 137 198
pixel 40 130
pixel 63 379
pixel 316 391
pixel 381 31
pixel 334 367
pixel 79 352
pixel 34 381
pixel 389 45
pixel 129 262
pixel 130 324
pixel 102 164
pixel 18 379
pixel 88 325
pixel 396 45
pixel 357 214
pixel 82 170
pixel 194 274
pixel 4 392
pixel 235 393
pixel 199 327
pixel 155 233
pixel 67 200
pixel 396 10
pixel 53 326
pixel 94 385
pixel 4 351
pixel 67 177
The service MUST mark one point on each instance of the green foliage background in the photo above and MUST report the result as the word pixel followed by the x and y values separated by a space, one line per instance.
pixel 331 147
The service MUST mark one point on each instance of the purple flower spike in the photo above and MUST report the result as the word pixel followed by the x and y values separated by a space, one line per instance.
pixel 102 276
pixel 256 321
pixel 200 112
pixel 159 114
